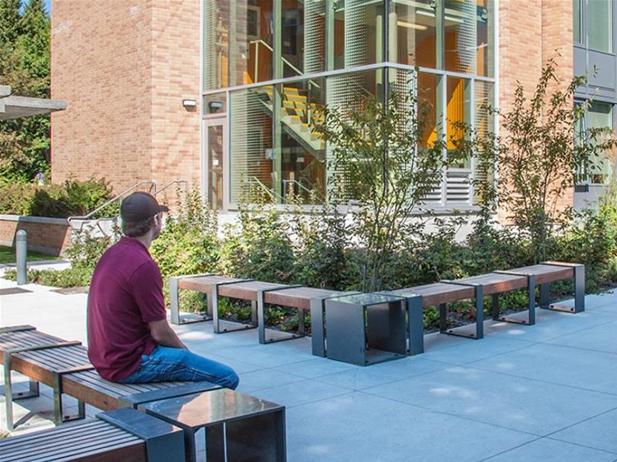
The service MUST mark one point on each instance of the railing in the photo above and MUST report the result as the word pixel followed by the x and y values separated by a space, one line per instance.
pixel 257 43
pixel 170 184
pixel 269 192
pixel 97 222
pixel 117 197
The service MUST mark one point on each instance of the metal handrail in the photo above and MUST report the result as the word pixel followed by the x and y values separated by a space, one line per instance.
pixel 267 190
pixel 170 184
pixel 300 185
pixel 294 68
pixel 113 199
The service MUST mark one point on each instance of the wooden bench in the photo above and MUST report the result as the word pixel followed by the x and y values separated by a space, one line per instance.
pixel 64 366
pixel 15 343
pixel 125 435
pixel 303 299
pixel 553 271
pixel 494 284
pixel 259 294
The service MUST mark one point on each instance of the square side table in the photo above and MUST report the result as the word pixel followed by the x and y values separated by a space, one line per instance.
pixel 238 427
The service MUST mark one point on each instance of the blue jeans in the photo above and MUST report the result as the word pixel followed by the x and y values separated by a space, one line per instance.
pixel 167 364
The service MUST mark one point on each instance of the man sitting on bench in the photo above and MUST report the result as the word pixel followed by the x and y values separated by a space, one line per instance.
pixel 129 338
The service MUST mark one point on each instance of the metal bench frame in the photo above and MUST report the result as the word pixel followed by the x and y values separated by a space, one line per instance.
pixel 261 318
pixel 216 321
pixel 479 306
pixel 579 290
pixel 174 301
pixel 33 392
pixel 531 301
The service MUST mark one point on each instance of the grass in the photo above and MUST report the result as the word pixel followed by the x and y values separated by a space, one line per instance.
pixel 7 255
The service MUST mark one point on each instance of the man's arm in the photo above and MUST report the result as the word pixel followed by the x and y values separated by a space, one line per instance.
pixel 164 335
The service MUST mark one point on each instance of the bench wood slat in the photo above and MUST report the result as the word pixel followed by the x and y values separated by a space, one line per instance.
pixel 54 444
pixel 26 439
pixel 246 290
pixel 82 453
pixel 297 297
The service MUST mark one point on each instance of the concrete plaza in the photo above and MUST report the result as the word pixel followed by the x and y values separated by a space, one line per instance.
pixel 546 392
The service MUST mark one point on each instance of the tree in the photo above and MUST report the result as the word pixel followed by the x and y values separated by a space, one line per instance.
pixel 379 160
pixel 538 158
pixel 24 65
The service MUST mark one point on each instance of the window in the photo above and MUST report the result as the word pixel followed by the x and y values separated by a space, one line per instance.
pixel 598 115
pixel 577 12
pixel 600 25
pixel 415 33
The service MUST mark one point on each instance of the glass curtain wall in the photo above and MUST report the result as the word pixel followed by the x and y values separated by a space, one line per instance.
pixel 268 46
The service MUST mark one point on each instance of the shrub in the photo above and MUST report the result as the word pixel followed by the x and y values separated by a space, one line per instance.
pixel 56 201
pixel 188 244
pixel 321 257
pixel 259 247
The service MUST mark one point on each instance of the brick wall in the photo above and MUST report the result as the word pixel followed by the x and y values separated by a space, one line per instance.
pixel 51 236
pixel 530 33
pixel 175 76
pixel 124 67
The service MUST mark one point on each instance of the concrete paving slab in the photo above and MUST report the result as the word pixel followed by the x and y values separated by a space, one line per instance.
pixel 266 378
pixel 360 378
pixel 314 368
pixel 296 393
pixel 552 324
pixel 361 427
pixel 583 369
pixel 513 402
pixel 547 450
pixel 474 350
pixel 601 338
pixel 598 432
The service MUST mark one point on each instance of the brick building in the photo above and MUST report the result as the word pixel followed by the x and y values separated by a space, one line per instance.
pixel 221 92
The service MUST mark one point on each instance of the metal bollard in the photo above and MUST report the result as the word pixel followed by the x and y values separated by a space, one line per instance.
pixel 21 251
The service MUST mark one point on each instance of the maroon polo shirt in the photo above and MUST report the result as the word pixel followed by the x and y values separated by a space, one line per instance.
pixel 126 293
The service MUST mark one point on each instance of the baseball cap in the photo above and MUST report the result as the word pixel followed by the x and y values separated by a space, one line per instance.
pixel 140 206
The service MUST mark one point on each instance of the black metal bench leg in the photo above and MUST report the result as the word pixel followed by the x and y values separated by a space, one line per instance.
pixel 479 305
pixel 579 294
pixel 579 288
pixel 256 438
pixel 443 318
pixel 318 334
pixel 174 301
pixel 415 325
pixel 59 417
pixel 479 312
pixel 544 296
pixel 495 306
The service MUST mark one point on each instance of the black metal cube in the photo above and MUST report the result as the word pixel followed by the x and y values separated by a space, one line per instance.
pixel 366 329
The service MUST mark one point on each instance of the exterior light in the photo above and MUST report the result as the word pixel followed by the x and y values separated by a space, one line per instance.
pixel 189 103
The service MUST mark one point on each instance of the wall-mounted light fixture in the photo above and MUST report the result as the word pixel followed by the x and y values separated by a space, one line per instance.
pixel 189 103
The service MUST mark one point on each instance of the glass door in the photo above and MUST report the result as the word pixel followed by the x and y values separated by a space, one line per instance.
pixel 216 147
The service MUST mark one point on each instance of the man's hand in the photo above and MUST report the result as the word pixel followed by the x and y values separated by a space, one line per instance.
pixel 164 335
